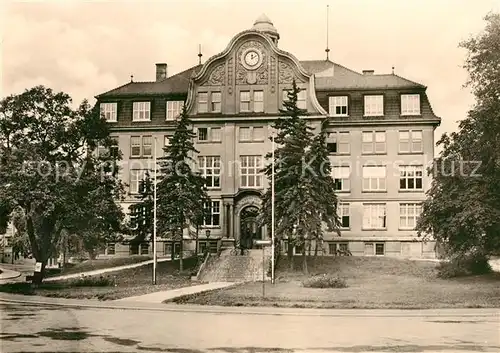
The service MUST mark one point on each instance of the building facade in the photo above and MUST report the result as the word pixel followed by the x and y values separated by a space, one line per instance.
pixel 381 140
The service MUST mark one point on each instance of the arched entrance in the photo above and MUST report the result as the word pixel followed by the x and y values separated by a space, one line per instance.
pixel 249 229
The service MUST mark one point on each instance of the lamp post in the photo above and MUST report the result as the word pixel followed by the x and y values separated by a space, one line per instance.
pixel 154 215
pixel 272 211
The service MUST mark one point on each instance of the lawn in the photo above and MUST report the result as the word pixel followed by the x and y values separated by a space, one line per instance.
pixel 117 284
pixel 372 283
pixel 98 264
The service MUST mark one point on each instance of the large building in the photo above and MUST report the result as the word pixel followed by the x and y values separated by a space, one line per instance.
pixel 381 137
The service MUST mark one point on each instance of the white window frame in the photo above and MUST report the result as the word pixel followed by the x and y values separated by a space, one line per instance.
pixel 245 98
pixel 336 246
pixel 141 111
pixel 143 246
pixel 109 110
pixel 198 131
pixel 413 173
pixel 250 169
pixel 340 102
pixel 174 109
pixel 374 105
pixel 374 216
pixel 215 134
pixel 210 168
pixel 145 145
pixel 374 178
pixel 342 173
pixel 252 134
pixel 408 215
pixel 344 210
pixel 136 175
pixel 342 139
pixel 258 101
pixel 141 143
pixel 410 141
pixel 374 142
pixel 410 104
pixel 301 98
pixel 202 102
pixel 216 102
pixel 214 210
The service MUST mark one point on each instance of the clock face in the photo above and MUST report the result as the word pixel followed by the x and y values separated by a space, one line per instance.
pixel 251 58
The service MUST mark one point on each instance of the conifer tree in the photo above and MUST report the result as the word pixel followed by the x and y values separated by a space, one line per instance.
pixel 181 191
pixel 142 213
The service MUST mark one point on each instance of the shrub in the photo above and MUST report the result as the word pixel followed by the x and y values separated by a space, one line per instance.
pixel 464 265
pixel 325 281
pixel 100 281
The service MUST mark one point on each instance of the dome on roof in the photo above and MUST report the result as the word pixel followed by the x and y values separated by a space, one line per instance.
pixel 264 24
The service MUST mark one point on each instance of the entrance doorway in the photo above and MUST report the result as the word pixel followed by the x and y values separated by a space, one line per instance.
pixel 249 229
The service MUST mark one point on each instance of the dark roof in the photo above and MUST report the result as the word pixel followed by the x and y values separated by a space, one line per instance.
pixel 177 83
pixel 344 78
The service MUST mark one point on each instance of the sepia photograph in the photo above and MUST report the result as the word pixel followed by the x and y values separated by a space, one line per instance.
pixel 282 176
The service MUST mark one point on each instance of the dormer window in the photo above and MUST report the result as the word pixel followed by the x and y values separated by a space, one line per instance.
pixel 109 111
pixel 374 105
pixel 410 104
pixel 174 109
pixel 338 106
pixel 141 111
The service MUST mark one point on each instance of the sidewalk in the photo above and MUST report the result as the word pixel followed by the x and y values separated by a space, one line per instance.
pixel 160 297
pixel 103 270
pixel 8 274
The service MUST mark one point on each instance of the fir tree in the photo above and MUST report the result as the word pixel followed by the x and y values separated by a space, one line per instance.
pixel 181 191
pixel 142 212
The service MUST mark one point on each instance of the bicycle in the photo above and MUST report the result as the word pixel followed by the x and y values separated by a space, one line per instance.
pixel 345 252
pixel 239 250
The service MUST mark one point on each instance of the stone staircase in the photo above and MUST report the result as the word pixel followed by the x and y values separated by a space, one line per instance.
pixel 236 268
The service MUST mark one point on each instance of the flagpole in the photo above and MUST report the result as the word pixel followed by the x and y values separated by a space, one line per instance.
pixel 272 213
pixel 154 216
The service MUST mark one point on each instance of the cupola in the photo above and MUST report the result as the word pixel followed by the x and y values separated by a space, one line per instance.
pixel 263 24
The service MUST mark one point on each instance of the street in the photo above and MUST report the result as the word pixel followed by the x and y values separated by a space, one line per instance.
pixel 44 328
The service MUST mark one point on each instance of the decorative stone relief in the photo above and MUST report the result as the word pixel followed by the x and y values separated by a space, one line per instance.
pixel 216 77
pixel 248 201
pixel 259 76
pixel 230 71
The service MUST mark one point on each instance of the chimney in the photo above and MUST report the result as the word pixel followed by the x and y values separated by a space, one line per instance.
pixel 161 71
pixel 368 72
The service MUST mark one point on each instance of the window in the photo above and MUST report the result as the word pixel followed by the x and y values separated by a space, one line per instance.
pixel 109 111
pixel 338 142
pixel 374 216
pixel 341 176
pixel 251 133
pixel 301 98
pixel 374 105
pixel 141 146
pixel 166 143
pixel 250 171
pixel 373 142
pixel 216 102
pixel 338 106
pixel 258 101
pixel 141 111
pixel 174 109
pixel 202 102
pixel 373 178
pixel 136 175
pixel 110 250
pixel 410 104
pixel 210 169
pixel 144 248
pixel 147 146
pixel 408 214
pixel 112 151
pixel 202 134
pixel 244 101
pixel 344 215
pixel 202 247
pixel 215 132
pixel 410 177
pixel 334 247
pixel 410 141
pixel 212 217
pixel 134 249
pixel 379 248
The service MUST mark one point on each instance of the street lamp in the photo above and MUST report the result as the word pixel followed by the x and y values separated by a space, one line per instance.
pixel 272 211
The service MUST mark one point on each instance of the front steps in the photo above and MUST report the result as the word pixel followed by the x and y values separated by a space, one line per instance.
pixel 236 268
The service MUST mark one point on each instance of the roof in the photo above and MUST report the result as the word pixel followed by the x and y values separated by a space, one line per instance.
pixel 344 78
pixel 178 83
pixel 329 76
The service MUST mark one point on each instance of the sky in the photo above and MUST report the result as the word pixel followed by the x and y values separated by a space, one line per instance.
pixel 88 47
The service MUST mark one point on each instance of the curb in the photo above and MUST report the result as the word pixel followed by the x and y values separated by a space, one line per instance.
pixel 485 312
pixel 15 274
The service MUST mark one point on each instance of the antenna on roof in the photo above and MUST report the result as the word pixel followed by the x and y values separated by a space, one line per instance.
pixel 131 78
pixel 199 54
pixel 327 50
pixel 393 70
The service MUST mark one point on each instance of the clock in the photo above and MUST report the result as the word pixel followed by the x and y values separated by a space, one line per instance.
pixel 251 58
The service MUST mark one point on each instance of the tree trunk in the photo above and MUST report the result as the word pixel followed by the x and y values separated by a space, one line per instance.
pixel 316 248
pixel 290 254
pixel 172 251
pixel 304 260
pixel 181 252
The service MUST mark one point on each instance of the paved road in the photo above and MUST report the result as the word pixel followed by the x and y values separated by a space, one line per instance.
pixel 45 328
